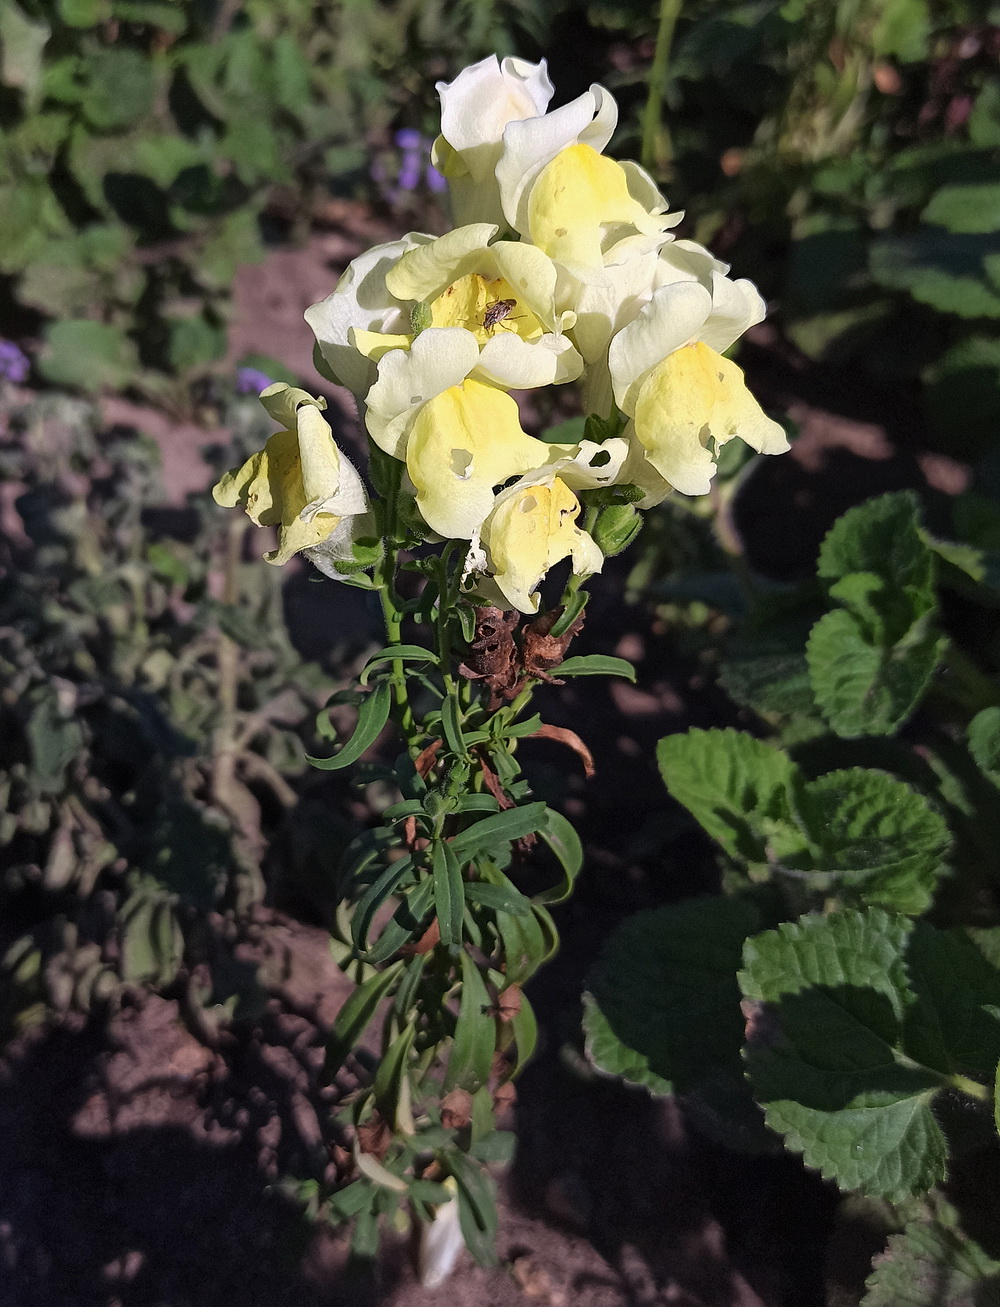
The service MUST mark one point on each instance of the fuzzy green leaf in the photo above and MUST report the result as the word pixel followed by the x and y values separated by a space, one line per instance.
pixel 736 787
pixel 875 1014
pixel 932 1264
pixel 662 1007
pixel 984 742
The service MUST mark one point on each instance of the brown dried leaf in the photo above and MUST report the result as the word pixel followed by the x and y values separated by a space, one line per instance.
pixel 374 1135
pixel 564 735
pixel 456 1109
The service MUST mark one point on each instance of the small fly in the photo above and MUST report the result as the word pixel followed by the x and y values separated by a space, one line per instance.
pixel 497 312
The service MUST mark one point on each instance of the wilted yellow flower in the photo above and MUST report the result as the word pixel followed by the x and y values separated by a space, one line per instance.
pixel 300 483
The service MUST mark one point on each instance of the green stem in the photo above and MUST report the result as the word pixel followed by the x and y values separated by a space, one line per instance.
pixel 385 583
pixel 982 1093
pixel 657 151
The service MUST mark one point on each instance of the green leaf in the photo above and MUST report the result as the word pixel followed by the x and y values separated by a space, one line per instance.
pixel 984 742
pixel 451 723
pixel 381 888
pixel 770 674
pixel 407 921
pixel 477 1206
pixel 486 836
pixel 736 787
pixel 449 893
pixel 55 739
pixel 372 717
pixel 595 665
pixel 22 41
pixel 882 536
pixel 877 840
pixel 397 653
pixel 662 1007
pixel 475 1034
pixel 120 87
pixel 949 272
pixel 864 688
pixel 499 898
pixel 561 837
pixel 389 1087
pixel 87 355
pixel 525 1027
pixel 355 1016
pixel 931 1264
pixel 195 342
pixel 973 207
pixel 84 13
pixel 876 1015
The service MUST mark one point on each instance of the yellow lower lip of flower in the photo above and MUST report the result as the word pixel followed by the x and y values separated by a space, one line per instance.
pixel 484 306
pixel 464 442
pixel 692 397
pixel 575 198
pixel 269 486
pixel 530 531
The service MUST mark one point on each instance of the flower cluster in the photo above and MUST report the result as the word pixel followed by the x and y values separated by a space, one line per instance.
pixel 562 267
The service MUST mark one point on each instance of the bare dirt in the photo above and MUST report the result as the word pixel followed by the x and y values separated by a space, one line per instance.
pixel 141 1168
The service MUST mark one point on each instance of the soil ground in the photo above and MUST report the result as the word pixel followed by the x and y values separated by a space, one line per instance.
pixel 140 1168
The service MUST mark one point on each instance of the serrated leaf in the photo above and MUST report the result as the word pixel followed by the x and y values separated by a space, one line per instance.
pixel 859 999
pixel 373 714
pixel 769 674
pixel 736 787
pixel 984 742
pixel 932 1265
pixel 863 688
pixel 883 537
pixel 662 1007
pixel 878 840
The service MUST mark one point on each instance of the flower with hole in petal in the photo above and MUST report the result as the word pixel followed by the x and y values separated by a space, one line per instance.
pixel 683 397
pixel 302 484
pixel 533 526
pixel 475 110
pixel 459 436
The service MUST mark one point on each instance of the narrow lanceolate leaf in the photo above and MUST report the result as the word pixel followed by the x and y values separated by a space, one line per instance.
pixel 525 945
pixel 405 923
pixel 475 1034
pixel 736 787
pixel 355 1015
pixel 498 897
pixel 501 828
pixel 372 717
pixel 933 1263
pixel 477 1206
pixel 525 1027
pixel 595 665
pixel 451 724
pixel 876 1016
pixel 376 894
pixel 561 837
pixel 411 653
pixel 449 893
pixel 390 1088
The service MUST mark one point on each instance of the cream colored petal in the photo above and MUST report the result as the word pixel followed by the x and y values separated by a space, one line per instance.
pixel 686 261
pixel 425 271
pixel 691 398
pixel 736 305
pixel 439 358
pixel 518 364
pixel 462 444
pixel 374 344
pixel 362 300
pixel 534 277
pixel 319 464
pixel 528 146
pixel 673 316
pixel 338 546
pixel 283 402
pixel 484 98
pixel 637 470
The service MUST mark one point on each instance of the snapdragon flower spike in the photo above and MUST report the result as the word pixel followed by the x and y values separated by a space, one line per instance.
pixel 683 397
pixel 302 484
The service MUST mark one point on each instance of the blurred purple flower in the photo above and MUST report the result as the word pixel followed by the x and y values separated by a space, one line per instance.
pixel 435 182
pixel 409 139
pixel 14 363
pixel 409 173
pixel 251 380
